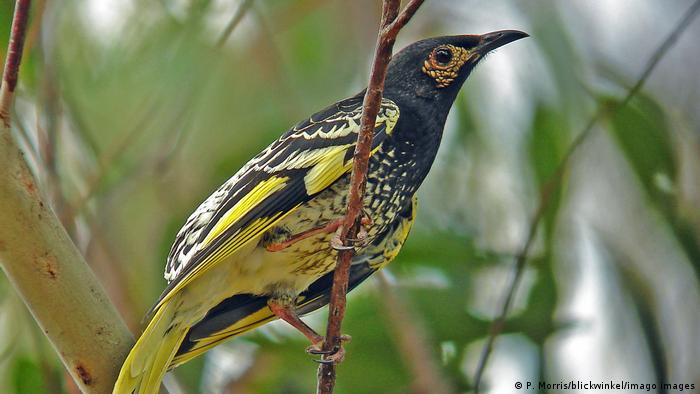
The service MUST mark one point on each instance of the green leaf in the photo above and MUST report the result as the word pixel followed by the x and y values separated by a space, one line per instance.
pixel 644 136
pixel 641 130
pixel 537 320
pixel 547 145
pixel 27 377
pixel 640 295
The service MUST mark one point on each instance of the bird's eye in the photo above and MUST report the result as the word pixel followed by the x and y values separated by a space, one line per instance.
pixel 444 63
pixel 443 56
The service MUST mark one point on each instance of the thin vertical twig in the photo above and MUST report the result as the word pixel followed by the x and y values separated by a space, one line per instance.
pixel 48 117
pixel 603 111
pixel 411 340
pixel 231 26
pixel 391 24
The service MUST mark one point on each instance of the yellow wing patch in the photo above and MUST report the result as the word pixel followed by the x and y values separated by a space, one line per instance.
pixel 259 193
pixel 328 170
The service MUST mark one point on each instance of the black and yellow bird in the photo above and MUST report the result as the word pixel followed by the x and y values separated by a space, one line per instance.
pixel 259 248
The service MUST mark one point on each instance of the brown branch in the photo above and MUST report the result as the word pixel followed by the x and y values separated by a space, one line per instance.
pixel 14 57
pixel 42 263
pixel 391 24
pixel 603 111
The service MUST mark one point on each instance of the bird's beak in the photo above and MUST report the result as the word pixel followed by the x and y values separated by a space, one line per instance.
pixel 490 41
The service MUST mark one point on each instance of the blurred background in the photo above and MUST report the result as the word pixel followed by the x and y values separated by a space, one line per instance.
pixel 132 112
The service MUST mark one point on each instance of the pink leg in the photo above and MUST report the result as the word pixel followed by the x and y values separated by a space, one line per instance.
pixel 286 312
pixel 329 228
pixel 333 226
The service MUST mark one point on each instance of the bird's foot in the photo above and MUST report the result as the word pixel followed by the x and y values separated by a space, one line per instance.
pixel 335 355
pixel 333 226
pixel 284 309
pixel 362 239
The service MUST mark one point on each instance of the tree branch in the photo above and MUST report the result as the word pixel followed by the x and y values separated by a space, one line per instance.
pixel 14 57
pixel 554 181
pixel 237 18
pixel 390 26
pixel 44 265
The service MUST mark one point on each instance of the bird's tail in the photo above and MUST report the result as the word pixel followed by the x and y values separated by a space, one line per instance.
pixel 148 361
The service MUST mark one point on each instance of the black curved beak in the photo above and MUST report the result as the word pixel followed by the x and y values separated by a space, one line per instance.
pixel 490 41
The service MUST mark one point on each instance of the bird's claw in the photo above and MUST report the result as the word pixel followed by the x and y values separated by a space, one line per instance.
pixel 314 350
pixel 335 358
pixel 337 244
pixel 361 241
pixel 332 356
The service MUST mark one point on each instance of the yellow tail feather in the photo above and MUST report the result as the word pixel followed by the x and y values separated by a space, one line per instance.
pixel 150 357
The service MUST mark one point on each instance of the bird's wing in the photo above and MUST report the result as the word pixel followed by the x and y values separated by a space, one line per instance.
pixel 243 312
pixel 300 164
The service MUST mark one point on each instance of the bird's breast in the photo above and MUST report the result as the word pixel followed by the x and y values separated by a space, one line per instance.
pixel 389 190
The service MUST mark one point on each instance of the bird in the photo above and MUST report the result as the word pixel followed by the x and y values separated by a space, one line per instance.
pixel 261 246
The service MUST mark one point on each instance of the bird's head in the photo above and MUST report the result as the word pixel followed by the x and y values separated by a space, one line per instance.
pixel 434 69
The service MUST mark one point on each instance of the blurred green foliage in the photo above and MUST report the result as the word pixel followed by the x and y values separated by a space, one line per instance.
pixel 152 116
